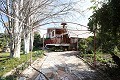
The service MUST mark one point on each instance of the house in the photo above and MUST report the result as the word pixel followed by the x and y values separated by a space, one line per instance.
pixel 57 37
pixel 62 37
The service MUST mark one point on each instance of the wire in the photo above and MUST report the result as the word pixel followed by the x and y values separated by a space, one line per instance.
pixel 40 73
pixel 67 29
pixel 47 23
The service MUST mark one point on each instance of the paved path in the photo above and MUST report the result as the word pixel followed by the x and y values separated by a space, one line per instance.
pixel 66 66
pixel 61 66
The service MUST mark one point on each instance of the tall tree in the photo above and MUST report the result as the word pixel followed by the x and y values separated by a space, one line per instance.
pixel 10 13
pixel 106 20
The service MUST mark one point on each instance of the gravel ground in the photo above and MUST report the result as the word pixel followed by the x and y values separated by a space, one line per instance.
pixel 63 66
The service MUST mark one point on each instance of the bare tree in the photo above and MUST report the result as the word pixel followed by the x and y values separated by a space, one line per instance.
pixel 10 13
pixel 24 16
pixel 41 11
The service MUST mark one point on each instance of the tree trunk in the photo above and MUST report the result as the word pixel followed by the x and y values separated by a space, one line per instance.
pixel 27 37
pixel 17 47
pixel 11 46
pixel 31 40
pixel 26 42
pixel 16 34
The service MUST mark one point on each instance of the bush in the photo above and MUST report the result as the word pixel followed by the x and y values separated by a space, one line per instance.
pixel 38 53
pixel 3 40
pixel 3 43
pixel 37 41
pixel 83 46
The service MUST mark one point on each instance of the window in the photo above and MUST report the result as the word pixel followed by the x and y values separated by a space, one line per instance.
pixel 52 33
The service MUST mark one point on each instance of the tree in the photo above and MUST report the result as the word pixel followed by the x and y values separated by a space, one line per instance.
pixel 37 41
pixel 106 19
pixel 10 13
pixel 3 41
pixel 42 12
pixel 24 16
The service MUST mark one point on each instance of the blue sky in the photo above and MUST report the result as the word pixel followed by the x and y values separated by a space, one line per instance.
pixel 1 25
pixel 1 28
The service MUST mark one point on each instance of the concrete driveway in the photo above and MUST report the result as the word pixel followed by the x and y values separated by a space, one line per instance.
pixel 61 66
pixel 66 66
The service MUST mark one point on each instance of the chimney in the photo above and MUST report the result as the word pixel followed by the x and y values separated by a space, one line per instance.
pixel 63 24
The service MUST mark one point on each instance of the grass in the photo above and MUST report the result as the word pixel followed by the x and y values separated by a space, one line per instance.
pixel 7 64
pixel 4 56
pixel 100 57
pixel 105 63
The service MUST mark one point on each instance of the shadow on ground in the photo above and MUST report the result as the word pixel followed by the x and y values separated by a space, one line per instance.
pixel 59 72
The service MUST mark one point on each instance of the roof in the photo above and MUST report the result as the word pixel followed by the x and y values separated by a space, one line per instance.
pixel 55 28
pixel 76 33
pixel 79 34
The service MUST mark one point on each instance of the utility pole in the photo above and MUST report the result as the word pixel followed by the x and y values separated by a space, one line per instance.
pixel 31 50
pixel 43 41
pixel 77 42
pixel 94 47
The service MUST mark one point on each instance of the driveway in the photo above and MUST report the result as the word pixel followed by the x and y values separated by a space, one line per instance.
pixel 66 66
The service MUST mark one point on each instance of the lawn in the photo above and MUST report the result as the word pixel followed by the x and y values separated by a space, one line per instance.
pixel 7 64
pixel 4 56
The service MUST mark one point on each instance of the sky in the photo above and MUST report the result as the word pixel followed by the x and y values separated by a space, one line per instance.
pixel 76 18
pixel 1 28
pixel 1 25
pixel 82 18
